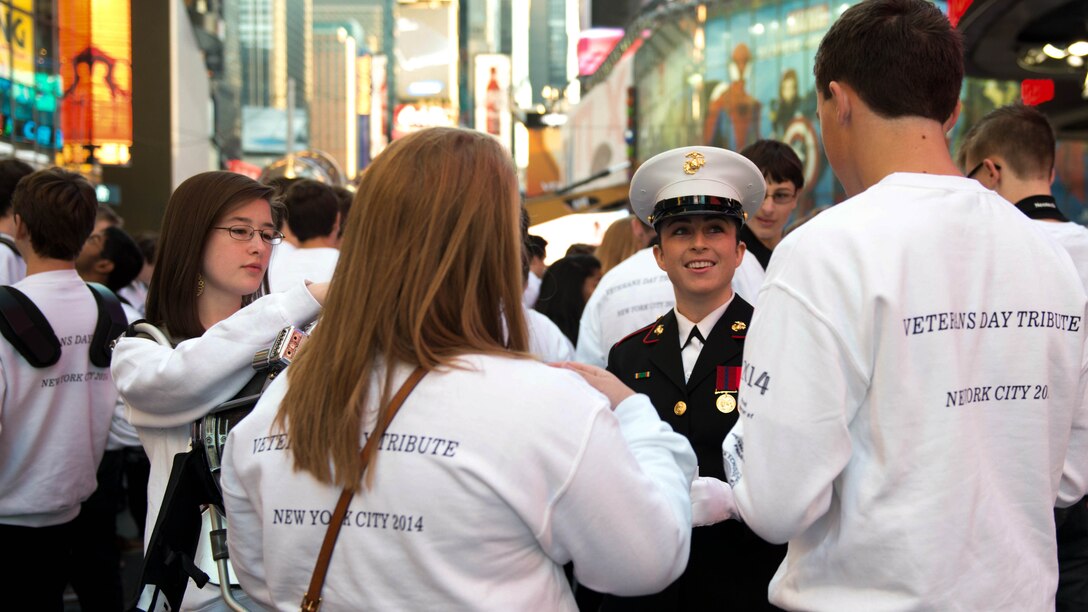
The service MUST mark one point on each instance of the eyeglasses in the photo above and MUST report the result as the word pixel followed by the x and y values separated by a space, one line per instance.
pixel 245 233
pixel 979 167
pixel 782 197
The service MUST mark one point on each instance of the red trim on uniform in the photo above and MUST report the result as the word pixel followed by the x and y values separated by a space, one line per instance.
pixel 651 337
pixel 738 337
pixel 635 333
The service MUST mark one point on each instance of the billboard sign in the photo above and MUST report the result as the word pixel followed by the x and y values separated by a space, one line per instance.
pixel 96 69
pixel 264 130
pixel 493 96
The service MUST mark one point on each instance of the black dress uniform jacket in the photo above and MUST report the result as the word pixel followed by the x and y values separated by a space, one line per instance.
pixel 729 567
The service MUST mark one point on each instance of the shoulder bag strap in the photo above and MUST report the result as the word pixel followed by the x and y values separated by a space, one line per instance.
pixel 311 602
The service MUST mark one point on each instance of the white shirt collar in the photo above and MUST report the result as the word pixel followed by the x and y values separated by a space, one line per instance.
pixel 705 326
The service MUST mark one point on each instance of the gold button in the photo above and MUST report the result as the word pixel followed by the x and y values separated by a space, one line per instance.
pixel 726 403
pixel 680 408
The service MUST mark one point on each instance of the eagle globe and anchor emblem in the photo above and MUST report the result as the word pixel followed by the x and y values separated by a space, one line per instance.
pixel 695 161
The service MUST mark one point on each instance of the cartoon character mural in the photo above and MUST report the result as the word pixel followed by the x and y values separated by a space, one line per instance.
pixel 732 119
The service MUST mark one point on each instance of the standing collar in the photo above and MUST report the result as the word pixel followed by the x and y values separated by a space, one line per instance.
pixel 1041 207
pixel 684 325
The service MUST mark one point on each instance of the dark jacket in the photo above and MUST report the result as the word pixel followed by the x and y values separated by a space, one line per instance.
pixel 729 567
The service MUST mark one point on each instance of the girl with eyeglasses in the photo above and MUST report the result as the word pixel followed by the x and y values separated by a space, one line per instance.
pixel 205 294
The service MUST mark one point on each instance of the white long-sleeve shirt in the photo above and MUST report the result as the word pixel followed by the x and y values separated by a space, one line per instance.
pixel 12 266
pixel 296 266
pixel 166 389
pixel 53 421
pixel 633 292
pixel 489 480
pixel 913 403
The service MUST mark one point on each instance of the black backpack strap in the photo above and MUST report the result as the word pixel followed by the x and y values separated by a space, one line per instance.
pixel 26 328
pixel 112 322
pixel 9 243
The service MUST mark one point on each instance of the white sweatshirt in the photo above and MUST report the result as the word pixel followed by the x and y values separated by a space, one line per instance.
pixel 633 292
pixel 1073 237
pixel 296 266
pixel 546 340
pixel 166 389
pixel 915 367
pixel 53 421
pixel 12 266
pixel 489 480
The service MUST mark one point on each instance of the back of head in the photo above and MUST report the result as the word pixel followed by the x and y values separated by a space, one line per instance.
pixel 312 208
pixel 1021 135
pixel 58 209
pixel 431 255
pixel 537 246
pixel 561 291
pixel 344 198
pixel 777 161
pixel 11 172
pixel 902 57
pixel 192 211
pixel 122 250
pixel 618 244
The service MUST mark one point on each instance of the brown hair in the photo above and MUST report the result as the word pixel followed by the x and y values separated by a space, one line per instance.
pixel 312 208
pixel 902 57
pixel 618 244
pixel 1020 134
pixel 195 206
pixel 777 161
pixel 57 208
pixel 429 270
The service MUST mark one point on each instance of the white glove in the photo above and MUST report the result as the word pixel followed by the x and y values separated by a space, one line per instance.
pixel 711 501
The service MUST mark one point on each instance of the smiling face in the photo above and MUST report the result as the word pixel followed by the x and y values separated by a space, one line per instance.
pixel 235 268
pixel 699 253
pixel 770 220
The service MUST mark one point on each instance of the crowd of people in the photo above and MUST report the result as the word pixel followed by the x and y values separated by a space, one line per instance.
pixel 885 408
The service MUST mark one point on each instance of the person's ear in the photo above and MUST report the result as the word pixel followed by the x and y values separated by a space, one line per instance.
pixel 841 98
pixel 103 267
pixel 741 250
pixel 659 256
pixel 21 231
pixel 951 121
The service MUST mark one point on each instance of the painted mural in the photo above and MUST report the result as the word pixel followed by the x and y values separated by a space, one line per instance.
pixel 742 71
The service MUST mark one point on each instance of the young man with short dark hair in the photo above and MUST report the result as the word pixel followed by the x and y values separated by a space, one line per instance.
pixel 785 177
pixel 914 398
pixel 53 419
pixel 313 216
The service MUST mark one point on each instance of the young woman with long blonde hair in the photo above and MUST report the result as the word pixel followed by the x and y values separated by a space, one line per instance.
pixel 497 470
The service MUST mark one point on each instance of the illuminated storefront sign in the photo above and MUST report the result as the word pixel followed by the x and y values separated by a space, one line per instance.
pixel 96 68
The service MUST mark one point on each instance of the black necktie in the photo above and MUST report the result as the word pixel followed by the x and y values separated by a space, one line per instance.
pixel 695 334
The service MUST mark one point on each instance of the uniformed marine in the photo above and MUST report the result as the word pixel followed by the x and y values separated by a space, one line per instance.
pixel 689 362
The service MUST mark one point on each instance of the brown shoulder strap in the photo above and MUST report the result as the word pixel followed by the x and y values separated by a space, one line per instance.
pixel 312 600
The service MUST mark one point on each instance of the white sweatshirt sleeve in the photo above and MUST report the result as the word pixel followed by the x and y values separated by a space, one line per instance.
pixel 1074 482
pixel 167 387
pixel 799 390
pixel 625 516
